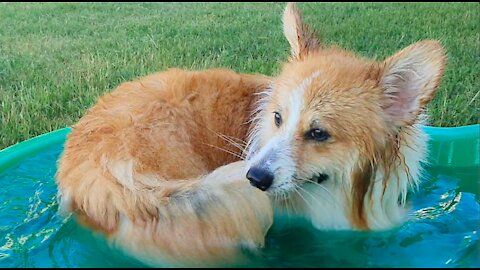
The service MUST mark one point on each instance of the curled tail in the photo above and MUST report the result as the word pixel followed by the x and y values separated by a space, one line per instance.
pixel 187 221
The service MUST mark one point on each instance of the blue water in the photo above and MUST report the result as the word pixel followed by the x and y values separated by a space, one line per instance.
pixel 443 230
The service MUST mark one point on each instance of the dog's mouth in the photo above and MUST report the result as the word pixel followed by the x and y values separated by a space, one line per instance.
pixel 282 190
pixel 316 178
pixel 319 178
pixel 289 186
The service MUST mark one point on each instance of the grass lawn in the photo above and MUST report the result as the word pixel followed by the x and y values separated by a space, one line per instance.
pixel 56 59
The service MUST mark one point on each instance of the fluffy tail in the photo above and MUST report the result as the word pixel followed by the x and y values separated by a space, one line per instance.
pixel 184 222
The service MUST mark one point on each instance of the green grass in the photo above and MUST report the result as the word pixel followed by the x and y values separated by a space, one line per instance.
pixel 56 59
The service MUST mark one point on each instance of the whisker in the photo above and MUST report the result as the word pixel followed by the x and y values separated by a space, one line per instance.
pixel 284 199
pixel 225 150
pixel 236 142
pixel 310 194
pixel 240 144
pixel 324 188
pixel 231 139
pixel 300 194
pixel 292 202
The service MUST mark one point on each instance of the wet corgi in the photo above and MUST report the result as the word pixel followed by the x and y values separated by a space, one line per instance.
pixel 150 167
pixel 336 138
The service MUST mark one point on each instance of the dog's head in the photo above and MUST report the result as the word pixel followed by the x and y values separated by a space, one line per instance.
pixel 334 118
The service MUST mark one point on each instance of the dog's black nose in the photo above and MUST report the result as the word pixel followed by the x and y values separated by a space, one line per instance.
pixel 260 178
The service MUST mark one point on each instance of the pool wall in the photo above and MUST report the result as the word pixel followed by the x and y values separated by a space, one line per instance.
pixel 449 146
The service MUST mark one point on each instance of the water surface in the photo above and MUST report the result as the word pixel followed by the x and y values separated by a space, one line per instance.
pixel 442 231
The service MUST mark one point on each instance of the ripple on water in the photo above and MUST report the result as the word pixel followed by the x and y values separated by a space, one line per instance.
pixel 442 232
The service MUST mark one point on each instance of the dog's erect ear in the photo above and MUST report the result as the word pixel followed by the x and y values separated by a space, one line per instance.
pixel 409 80
pixel 302 40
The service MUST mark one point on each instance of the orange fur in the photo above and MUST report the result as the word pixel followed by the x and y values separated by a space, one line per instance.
pixel 156 153
pixel 145 151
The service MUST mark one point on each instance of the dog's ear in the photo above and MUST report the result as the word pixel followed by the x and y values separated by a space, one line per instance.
pixel 409 80
pixel 302 40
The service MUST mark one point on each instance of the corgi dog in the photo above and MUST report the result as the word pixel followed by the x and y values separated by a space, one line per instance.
pixel 149 167
pixel 336 137
pixel 154 165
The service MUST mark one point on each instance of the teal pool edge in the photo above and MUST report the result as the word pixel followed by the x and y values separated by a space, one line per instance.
pixel 15 153
pixel 449 146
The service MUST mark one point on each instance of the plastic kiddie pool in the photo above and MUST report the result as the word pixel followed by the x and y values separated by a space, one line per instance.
pixel 442 230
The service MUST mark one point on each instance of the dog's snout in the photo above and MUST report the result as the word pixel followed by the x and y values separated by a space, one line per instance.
pixel 260 178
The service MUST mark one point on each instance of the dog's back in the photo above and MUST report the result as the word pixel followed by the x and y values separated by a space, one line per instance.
pixel 133 166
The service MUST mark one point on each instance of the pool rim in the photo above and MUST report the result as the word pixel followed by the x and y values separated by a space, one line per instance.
pixel 448 137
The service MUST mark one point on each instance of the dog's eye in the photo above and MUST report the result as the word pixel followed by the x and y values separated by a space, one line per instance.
pixel 317 134
pixel 278 119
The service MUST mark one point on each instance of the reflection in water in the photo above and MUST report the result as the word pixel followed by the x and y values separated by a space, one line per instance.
pixel 442 232
pixel 447 204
